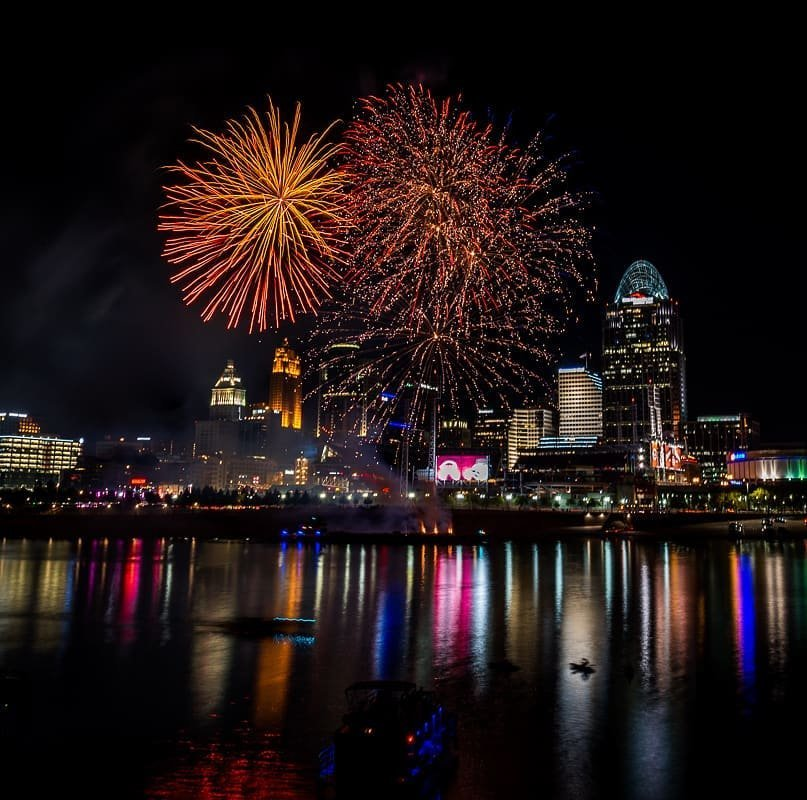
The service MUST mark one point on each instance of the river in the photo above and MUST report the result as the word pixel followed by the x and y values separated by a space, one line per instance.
pixel 137 690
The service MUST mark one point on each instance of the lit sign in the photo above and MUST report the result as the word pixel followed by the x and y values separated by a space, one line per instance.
pixel 387 396
pixel 666 456
pixel 741 456
pixel 462 469
pixel 398 425
pixel 138 481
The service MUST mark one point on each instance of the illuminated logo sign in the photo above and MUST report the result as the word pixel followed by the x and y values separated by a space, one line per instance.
pixel 741 456
pixel 462 469
pixel 138 481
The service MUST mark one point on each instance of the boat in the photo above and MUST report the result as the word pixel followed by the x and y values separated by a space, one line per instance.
pixel 777 528
pixel 617 525
pixel 312 528
pixel 582 667
pixel 393 736
pixel 258 627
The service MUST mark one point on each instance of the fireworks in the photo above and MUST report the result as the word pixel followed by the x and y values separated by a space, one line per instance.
pixel 397 370
pixel 464 254
pixel 260 223
pixel 447 215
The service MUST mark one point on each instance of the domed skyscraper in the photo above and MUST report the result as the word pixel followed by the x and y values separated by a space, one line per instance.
pixel 644 374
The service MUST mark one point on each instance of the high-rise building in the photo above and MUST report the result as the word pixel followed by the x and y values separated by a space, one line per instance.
pixel 710 439
pixel 579 403
pixel 454 434
pixel 644 375
pixel 301 470
pixel 490 436
pixel 28 457
pixel 285 387
pixel 342 395
pixel 525 430
pixel 227 397
pixel 219 436
pixel 12 422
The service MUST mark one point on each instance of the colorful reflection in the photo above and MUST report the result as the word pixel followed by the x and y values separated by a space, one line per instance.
pixel 744 614
pixel 126 636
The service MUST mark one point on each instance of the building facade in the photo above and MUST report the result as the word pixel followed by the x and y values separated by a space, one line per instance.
pixel 644 368
pixel 760 466
pixel 227 397
pixel 579 403
pixel 454 434
pixel 30 459
pixel 710 439
pixel 285 387
pixel 490 436
pixel 14 422
pixel 342 393
pixel 526 429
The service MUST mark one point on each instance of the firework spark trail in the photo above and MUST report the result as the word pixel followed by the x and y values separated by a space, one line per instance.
pixel 261 223
pixel 483 361
pixel 465 253
pixel 441 208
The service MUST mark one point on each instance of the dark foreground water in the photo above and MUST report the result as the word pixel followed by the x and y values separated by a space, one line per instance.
pixel 699 688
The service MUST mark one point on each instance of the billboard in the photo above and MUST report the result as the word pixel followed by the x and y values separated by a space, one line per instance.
pixel 666 456
pixel 462 469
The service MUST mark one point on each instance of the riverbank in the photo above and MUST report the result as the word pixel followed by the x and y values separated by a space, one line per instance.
pixel 380 524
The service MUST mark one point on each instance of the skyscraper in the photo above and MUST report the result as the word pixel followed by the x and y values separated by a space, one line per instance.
pixel 227 398
pixel 219 435
pixel 526 429
pixel 644 376
pixel 285 387
pixel 342 395
pixel 579 403
pixel 490 435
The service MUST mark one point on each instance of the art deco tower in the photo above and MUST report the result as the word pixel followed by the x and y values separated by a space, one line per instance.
pixel 228 398
pixel 285 387
pixel 644 380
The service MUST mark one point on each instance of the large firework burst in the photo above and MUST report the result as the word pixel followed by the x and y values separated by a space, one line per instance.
pixel 465 252
pixel 446 213
pixel 396 370
pixel 260 222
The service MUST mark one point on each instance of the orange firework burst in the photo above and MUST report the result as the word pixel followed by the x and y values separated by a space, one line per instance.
pixel 261 221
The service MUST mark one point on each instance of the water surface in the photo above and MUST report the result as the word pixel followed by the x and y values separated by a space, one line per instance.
pixel 138 690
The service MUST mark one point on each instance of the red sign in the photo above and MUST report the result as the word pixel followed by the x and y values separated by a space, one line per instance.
pixel 138 481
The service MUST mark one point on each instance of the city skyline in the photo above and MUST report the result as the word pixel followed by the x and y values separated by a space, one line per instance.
pixel 98 342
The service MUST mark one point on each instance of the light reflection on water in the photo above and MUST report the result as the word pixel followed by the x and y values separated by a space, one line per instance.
pixel 695 650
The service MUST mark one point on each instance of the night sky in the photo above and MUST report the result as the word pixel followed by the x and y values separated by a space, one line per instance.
pixel 697 174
